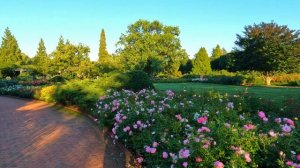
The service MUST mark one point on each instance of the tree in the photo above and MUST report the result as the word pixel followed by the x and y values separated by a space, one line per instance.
pixel 41 60
pixel 10 54
pixel 151 46
pixel 187 67
pixel 103 55
pixel 201 63
pixel 268 47
pixel 67 58
pixel 217 52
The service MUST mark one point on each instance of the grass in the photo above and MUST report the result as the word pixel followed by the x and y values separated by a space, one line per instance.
pixel 269 93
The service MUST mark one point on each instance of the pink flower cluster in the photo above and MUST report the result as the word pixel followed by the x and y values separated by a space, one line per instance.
pixel 184 153
pixel 262 116
pixel 202 120
pixel 249 127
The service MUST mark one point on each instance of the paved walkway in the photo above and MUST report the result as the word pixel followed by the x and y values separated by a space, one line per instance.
pixel 35 135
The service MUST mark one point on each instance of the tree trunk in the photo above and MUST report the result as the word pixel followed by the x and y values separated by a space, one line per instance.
pixel 268 80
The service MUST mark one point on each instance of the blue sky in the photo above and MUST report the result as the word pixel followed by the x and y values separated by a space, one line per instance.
pixel 203 23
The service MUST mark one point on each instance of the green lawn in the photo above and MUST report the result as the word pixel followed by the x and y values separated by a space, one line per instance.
pixel 272 93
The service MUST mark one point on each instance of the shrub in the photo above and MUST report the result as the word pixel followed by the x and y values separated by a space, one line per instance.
pixel 57 78
pixel 179 129
pixel 46 93
pixel 137 80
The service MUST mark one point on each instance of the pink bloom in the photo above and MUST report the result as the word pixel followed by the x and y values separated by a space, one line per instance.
pixel 155 144
pixel 198 159
pixel 184 164
pixel 261 114
pixel 265 119
pixel 135 126
pixel 152 102
pixel 286 129
pixel 127 128
pixel 184 153
pixel 196 139
pixel 278 120
pixel 289 121
pixel 247 157
pixel 289 163
pixel 298 157
pixel 148 149
pixel 272 133
pixel 178 116
pixel 165 155
pixel 202 120
pixel 139 123
pixel 152 150
pixel 248 127
pixel 140 159
pixel 203 129
pixel 219 164
pixel 186 141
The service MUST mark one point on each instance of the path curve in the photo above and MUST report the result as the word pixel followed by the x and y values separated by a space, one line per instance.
pixel 33 134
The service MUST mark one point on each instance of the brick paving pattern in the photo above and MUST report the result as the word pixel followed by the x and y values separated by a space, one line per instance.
pixel 34 134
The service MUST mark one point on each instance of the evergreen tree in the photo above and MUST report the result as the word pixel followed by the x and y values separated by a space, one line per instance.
pixel 216 53
pixel 41 59
pixel 201 63
pixel 103 55
pixel 10 52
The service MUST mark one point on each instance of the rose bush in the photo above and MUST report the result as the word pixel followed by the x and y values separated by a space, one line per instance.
pixel 199 130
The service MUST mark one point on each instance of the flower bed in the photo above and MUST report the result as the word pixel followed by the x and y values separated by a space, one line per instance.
pixel 207 130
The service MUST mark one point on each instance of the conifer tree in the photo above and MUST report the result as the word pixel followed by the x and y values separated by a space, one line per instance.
pixel 217 52
pixel 103 55
pixel 10 52
pixel 41 59
pixel 201 63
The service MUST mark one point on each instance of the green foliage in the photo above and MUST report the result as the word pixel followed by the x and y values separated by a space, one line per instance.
pixel 67 59
pixel 41 60
pixel 151 123
pixel 187 67
pixel 217 52
pixel 57 79
pixel 137 80
pixel 152 41
pixel 201 63
pixel 103 55
pixel 10 53
pixel 268 47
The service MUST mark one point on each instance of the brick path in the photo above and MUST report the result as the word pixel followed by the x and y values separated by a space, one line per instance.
pixel 35 135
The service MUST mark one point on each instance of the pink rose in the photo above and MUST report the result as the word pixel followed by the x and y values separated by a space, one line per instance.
pixel 198 159
pixel 286 129
pixel 184 153
pixel 298 157
pixel 202 120
pixel 219 164
pixel 184 164
pixel 261 114
pixel 247 157
pixel 165 155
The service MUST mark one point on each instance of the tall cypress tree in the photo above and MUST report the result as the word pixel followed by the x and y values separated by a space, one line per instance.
pixel 201 64
pixel 41 59
pixel 10 52
pixel 103 55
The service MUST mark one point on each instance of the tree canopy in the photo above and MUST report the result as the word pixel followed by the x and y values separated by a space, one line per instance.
pixel 201 63
pixel 153 46
pixel 103 55
pixel 268 47
pixel 10 53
